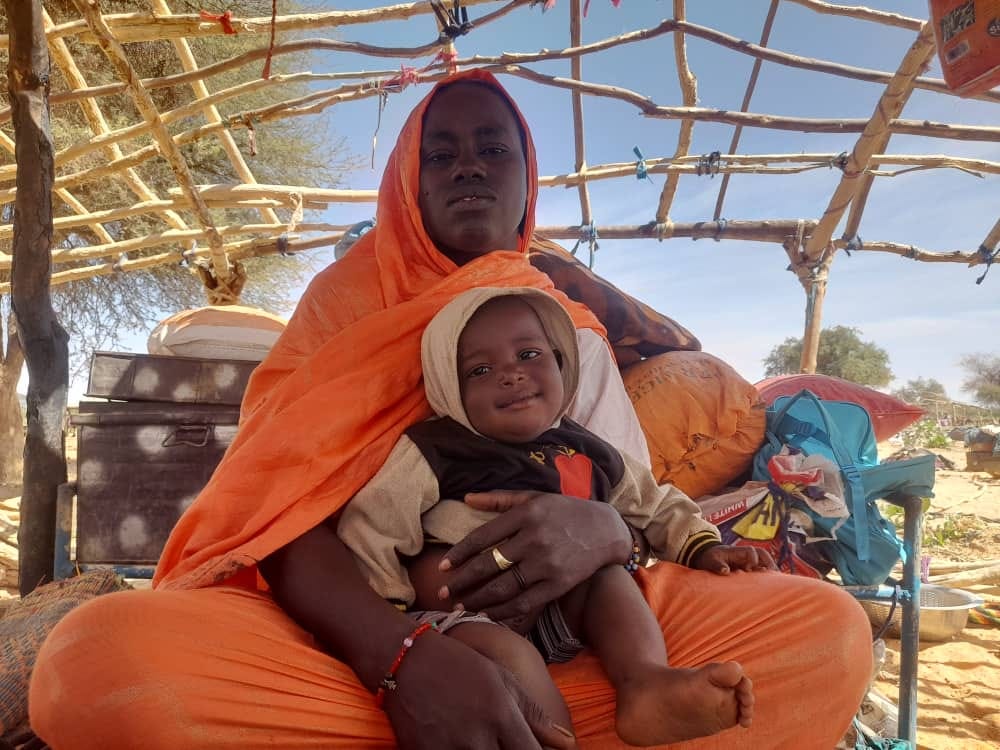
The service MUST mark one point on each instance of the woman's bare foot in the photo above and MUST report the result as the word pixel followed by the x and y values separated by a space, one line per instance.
pixel 661 705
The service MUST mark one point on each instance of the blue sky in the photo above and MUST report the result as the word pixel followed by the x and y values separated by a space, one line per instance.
pixel 736 296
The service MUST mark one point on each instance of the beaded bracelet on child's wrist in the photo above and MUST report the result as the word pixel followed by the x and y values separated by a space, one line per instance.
pixel 634 561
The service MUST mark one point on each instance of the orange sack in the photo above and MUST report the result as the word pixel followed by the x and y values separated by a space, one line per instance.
pixel 702 421
pixel 208 660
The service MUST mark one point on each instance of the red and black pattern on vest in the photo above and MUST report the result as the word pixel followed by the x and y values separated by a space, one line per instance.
pixel 568 460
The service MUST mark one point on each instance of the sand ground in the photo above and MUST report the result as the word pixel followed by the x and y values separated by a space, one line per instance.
pixel 959 680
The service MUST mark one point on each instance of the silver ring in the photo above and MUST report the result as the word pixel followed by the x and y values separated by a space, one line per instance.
pixel 502 562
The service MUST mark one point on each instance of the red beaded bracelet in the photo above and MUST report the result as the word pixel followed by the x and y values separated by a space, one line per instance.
pixel 388 682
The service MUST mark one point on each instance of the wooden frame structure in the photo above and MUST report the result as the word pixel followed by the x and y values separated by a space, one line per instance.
pixel 809 242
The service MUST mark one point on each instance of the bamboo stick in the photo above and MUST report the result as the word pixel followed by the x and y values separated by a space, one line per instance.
pixel 219 196
pixel 576 71
pixel 236 250
pixel 751 231
pixel 689 94
pixel 873 139
pixel 180 79
pixel 993 238
pixel 765 36
pixel 649 108
pixel 286 194
pixel 99 125
pixel 142 27
pixel 810 160
pixel 862 13
pixel 189 64
pixel 116 54
pixel 969 257
pixel 174 237
pixel 761 52
pixel 728 164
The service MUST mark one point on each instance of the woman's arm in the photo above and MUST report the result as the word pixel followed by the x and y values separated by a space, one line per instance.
pixel 315 580
pixel 447 696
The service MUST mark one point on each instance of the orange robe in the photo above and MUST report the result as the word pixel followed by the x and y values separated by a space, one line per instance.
pixel 207 660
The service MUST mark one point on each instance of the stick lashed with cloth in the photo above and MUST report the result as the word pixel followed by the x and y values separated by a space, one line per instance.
pixel 261 630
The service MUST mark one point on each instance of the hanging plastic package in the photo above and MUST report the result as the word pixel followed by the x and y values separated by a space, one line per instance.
pixel 968 43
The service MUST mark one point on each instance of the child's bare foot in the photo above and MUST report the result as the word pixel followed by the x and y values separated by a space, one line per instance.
pixel 661 705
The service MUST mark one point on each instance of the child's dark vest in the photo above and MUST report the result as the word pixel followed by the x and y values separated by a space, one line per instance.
pixel 567 459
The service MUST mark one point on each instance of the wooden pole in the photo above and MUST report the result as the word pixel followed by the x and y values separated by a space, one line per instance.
pixel 689 93
pixel 92 112
pixel 649 108
pixel 861 13
pixel 758 232
pixel 143 27
pixel 115 53
pixel 576 70
pixel 818 253
pixel 765 37
pixel 45 342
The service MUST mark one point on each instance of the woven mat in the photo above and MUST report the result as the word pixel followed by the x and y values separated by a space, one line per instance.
pixel 23 629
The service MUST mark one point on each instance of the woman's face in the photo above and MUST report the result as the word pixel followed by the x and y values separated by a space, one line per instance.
pixel 473 178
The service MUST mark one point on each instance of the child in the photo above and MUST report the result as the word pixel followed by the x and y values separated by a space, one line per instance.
pixel 500 369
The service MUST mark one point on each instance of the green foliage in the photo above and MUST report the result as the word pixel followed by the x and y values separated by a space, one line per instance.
pixel 960 529
pixel 937 532
pixel 841 354
pixel 924 434
pixel 921 390
pixel 983 379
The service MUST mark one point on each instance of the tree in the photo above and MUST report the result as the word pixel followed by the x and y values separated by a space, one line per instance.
pixel 842 354
pixel 99 312
pixel 984 377
pixel 921 390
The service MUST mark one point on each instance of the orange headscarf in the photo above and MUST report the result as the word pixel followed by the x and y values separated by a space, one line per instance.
pixel 324 409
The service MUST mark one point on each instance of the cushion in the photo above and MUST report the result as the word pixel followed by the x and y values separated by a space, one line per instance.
pixel 703 422
pixel 635 330
pixel 889 414
pixel 217 332
pixel 24 628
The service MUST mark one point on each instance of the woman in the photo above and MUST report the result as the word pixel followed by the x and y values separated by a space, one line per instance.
pixel 261 631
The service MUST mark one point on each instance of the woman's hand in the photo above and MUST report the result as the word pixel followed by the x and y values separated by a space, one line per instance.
pixel 554 541
pixel 449 696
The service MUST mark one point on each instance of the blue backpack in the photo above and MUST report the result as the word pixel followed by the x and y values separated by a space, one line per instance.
pixel 865 548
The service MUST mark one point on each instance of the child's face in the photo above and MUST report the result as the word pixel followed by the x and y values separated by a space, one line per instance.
pixel 508 373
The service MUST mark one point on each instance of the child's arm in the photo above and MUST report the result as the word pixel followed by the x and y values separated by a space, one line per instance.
pixel 669 519
pixel 382 521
